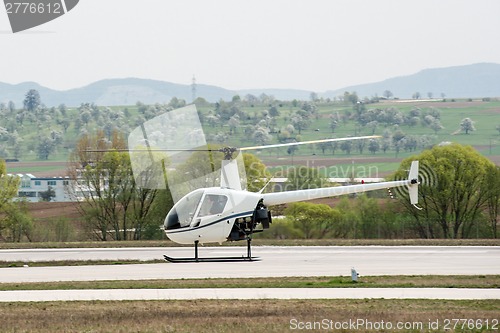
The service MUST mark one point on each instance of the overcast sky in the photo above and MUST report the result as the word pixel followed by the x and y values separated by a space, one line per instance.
pixel 315 45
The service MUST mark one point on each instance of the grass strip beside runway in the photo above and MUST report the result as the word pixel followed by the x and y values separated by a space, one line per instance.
pixel 416 281
pixel 4 264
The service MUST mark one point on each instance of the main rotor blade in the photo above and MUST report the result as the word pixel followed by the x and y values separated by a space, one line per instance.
pixel 241 149
pixel 144 150
pixel 313 141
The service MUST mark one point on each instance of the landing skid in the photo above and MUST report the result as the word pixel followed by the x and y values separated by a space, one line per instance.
pixel 248 257
pixel 211 259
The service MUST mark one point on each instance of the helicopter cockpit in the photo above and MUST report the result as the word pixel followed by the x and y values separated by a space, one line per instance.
pixel 193 207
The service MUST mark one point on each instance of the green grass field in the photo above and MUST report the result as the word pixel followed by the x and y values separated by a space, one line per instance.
pixel 485 114
pixel 220 316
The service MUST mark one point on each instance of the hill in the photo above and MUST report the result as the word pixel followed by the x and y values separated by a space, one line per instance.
pixel 113 92
pixel 470 81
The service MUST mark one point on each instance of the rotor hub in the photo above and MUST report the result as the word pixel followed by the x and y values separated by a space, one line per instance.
pixel 228 152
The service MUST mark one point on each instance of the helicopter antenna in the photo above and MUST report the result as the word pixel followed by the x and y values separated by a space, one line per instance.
pixel 268 182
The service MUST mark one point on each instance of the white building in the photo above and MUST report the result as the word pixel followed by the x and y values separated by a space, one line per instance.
pixel 31 187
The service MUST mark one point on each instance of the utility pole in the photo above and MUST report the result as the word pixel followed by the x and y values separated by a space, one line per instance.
pixel 193 89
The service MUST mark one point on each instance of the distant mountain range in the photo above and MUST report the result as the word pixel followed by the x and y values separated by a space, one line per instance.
pixel 469 81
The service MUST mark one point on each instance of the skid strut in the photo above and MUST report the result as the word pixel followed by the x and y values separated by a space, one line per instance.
pixel 196 258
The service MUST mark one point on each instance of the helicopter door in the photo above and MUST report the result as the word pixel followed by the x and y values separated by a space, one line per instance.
pixel 212 206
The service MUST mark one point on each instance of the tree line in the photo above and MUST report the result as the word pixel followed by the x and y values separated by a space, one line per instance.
pixel 459 194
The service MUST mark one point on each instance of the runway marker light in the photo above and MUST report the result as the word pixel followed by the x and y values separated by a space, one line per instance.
pixel 354 275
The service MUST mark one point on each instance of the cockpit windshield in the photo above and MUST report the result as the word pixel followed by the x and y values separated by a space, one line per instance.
pixel 213 204
pixel 183 212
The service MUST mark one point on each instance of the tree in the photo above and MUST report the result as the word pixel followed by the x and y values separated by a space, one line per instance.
pixel 373 146
pixel 103 181
pixel 12 106
pixel 176 103
pixel 273 111
pixel 435 125
pixel 300 122
pixel 388 94
pixel 324 146
pixel 428 119
pixel 453 205
pixel 334 122
pixel 212 120
pixel 291 150
pixel 63 109
pixel 493 201
pixel 8 186
pixel 373 125
pixel 413 121
pixel 14 221
pixel 45 147
pixel 351 97
pixel 369 213
pixel 315 220
pixel 346 146
pixel 251 99
pixel 261 135
pixel 360 145
pixel 233 123
pixel 85 117
pixel 467 125
pixel 301 178
pixel 256 172
pixel 65 123
pixel 32 100
pixel 398 135
pixel 48 195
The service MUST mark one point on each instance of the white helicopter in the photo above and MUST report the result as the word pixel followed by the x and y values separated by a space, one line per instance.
pixel 227 212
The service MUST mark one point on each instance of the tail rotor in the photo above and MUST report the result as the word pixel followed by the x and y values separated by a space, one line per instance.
pixel 418 175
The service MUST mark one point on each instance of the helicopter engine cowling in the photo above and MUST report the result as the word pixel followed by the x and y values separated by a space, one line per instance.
pixel 245 226
pixel 263 216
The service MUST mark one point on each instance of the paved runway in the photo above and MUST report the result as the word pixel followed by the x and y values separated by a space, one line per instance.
pixel 276 262
pixel 246 293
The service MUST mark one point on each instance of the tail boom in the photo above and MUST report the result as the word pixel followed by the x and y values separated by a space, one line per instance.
pixel 310 194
